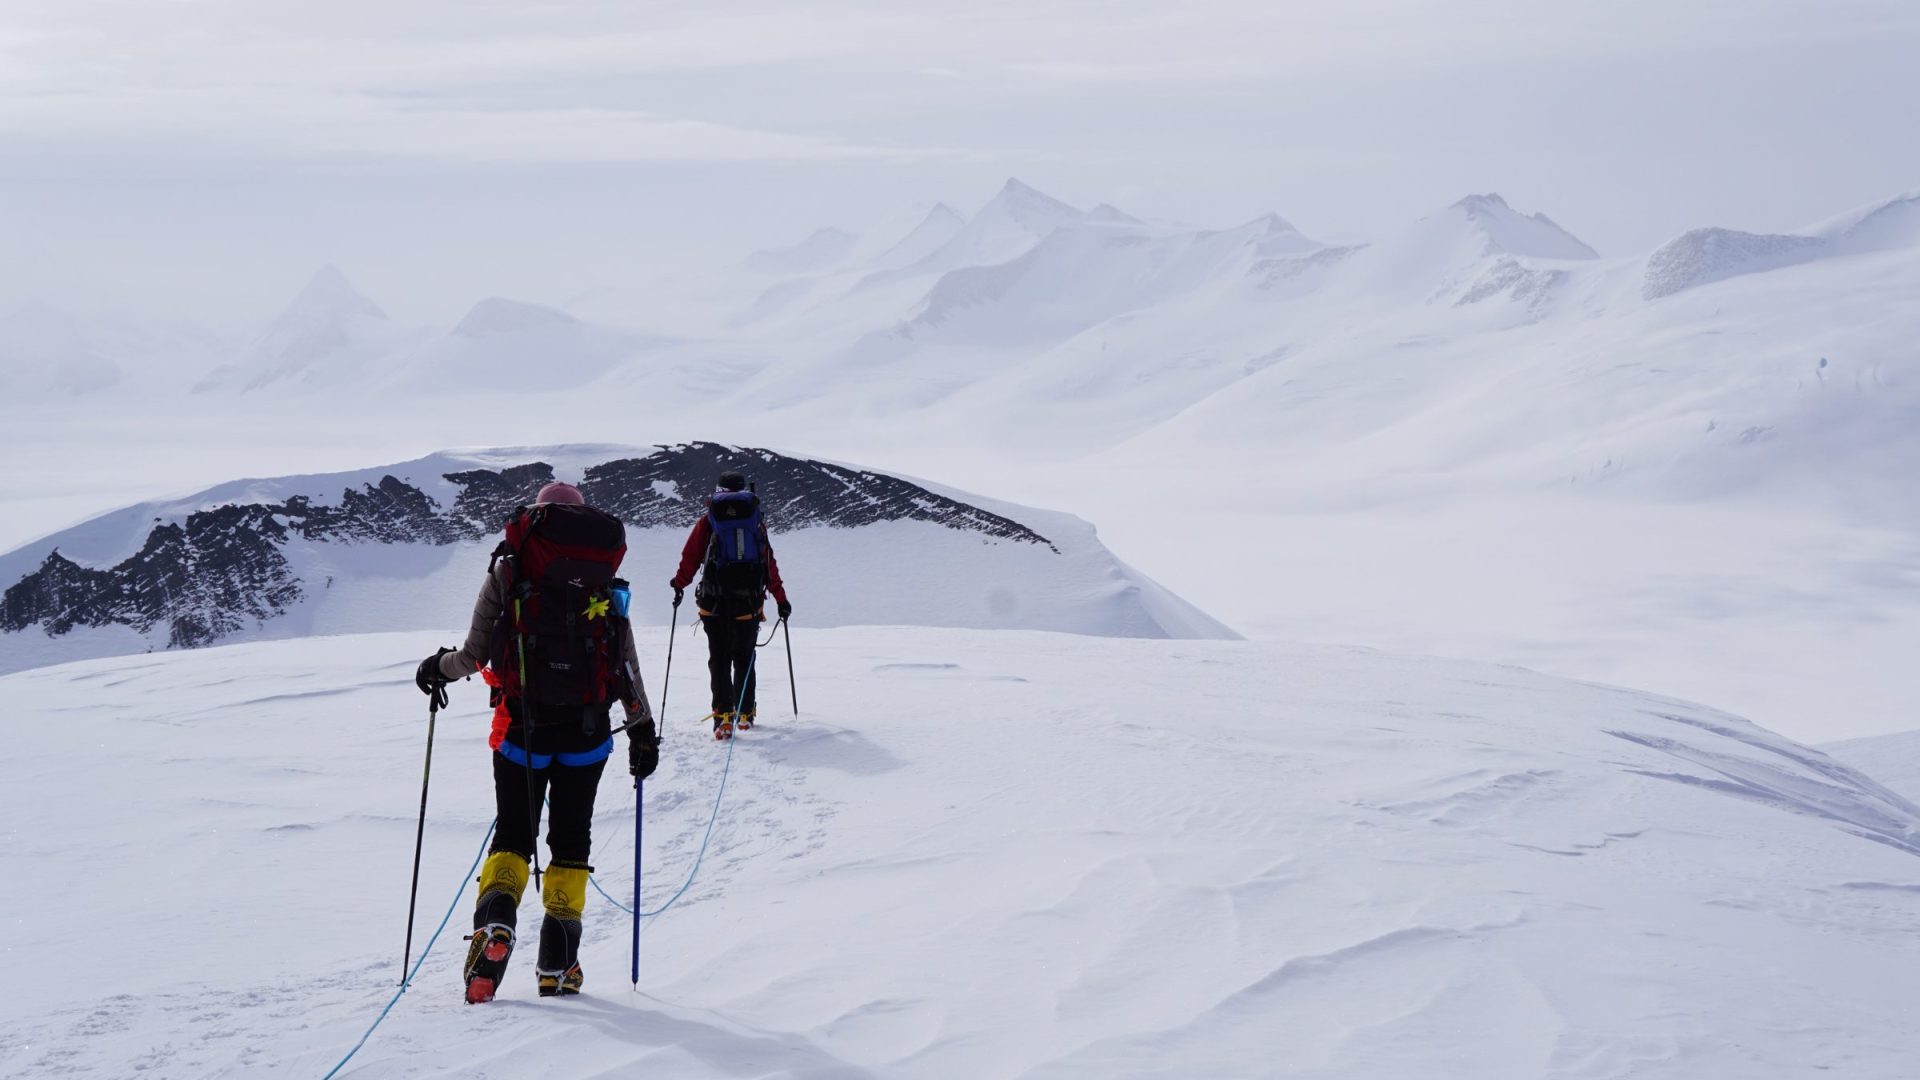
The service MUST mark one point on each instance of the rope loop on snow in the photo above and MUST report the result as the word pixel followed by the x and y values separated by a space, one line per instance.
pixel 726 769
pixel 408 981
pixel 698 857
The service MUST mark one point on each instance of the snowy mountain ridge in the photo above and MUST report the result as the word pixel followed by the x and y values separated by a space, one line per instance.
pixel 400 546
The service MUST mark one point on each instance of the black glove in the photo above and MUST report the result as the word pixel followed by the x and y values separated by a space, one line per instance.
pixel 678 594
pixel 643 755
pixel 785 609
pixel 430 681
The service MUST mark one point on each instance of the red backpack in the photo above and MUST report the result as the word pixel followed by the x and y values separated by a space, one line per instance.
pixel 558 640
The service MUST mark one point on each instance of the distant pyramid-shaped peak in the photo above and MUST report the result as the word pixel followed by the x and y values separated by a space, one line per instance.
pixel 330 295
pixel 942 214
pixel 1272 224
pixel 1029 205
pixel 1489 203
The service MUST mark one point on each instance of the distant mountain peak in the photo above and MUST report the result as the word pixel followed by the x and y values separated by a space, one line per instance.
pixel 1110 212
pixel 1024 202
pixel 329 293
pixel 1273 223
pixel 1483 203
pixel 498 315
pixel 1509 232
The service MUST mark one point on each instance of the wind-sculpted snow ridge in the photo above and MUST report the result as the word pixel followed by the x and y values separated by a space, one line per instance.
pixel 247 558
pixel 974 854
pixel 1704 256
pixel 1749 763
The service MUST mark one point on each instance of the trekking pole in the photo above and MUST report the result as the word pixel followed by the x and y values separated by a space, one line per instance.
pixel 420 831
pixel 787 632
pixel 639 816
pixel 526 736
pixel 673 631
pixel 640 790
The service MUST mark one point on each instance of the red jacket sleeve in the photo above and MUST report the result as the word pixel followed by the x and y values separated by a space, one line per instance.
pixel 694 553
pixel 774 585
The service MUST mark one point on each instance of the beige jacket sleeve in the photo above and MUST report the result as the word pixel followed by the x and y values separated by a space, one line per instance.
pixel 472 655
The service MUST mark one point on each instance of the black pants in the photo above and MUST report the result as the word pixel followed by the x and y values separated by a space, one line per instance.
pixel 730 645
pixel 569 788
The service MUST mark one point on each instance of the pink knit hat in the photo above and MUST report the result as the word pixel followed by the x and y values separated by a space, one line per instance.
pixel 557 492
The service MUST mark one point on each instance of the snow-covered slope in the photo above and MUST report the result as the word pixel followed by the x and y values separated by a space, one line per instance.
pixel 1764 380
pixel 402 546
pixel 973 854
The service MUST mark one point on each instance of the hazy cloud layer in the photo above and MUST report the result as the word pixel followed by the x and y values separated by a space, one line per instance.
pixel 541 146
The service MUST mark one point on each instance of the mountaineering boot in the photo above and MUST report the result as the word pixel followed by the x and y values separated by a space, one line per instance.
pixel 503 877
pixel 744 721
pixel 723 725
pixel 566 983
pixel 558 966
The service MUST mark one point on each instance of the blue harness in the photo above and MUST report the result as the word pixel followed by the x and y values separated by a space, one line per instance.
pixel 574 759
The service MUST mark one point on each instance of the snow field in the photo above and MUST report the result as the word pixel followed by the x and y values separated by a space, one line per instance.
pixel 974 854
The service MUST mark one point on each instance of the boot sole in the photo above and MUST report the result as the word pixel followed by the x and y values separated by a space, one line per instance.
pixel 482 985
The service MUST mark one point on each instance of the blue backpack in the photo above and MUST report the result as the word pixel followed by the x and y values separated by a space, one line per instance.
pixel 736 566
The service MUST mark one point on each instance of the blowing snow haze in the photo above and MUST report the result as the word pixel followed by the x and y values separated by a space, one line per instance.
pixel 1314 540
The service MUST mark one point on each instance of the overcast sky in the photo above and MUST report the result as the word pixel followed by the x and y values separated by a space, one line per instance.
pixel 205 156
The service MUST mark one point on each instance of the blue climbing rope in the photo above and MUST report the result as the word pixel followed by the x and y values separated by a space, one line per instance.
pixel 698 857
pixel 481 854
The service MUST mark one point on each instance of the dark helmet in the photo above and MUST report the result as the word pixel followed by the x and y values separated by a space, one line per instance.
pixel 733 480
